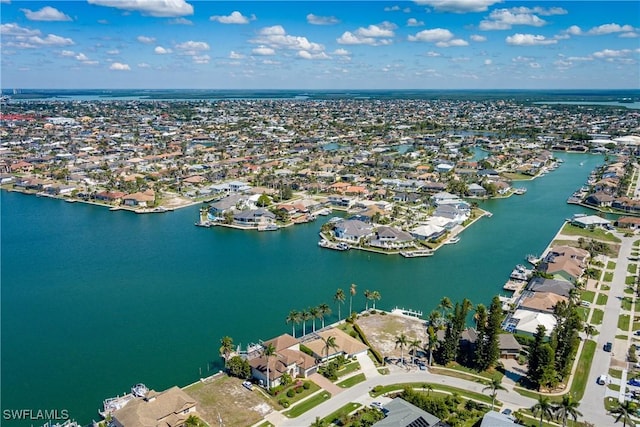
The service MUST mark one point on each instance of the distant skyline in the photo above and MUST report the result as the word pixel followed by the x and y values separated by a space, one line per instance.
pixel 422 44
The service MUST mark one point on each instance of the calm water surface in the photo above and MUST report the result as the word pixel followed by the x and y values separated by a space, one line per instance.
pixel 94 301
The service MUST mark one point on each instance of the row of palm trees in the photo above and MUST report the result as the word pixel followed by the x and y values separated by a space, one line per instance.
pixel 340 297
pixel 561 411
pixel 296 317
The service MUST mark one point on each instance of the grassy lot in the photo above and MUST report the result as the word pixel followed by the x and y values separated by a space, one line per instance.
pixel 348 368
pixel 632 268
pixel 351 381
pixel 226 396
pixel 587 295
pixel 468 373
pixel 627 303
pixel 630 280
pixel 596 317
pixel 596 234
pixel 345 410
pixel 628 290
pixel 611 265
pixel 535 395
pixel 614 387
pixel 436 387
pixel 623 322
pixel 605 287
pixel 608 276
pixel 615 373
pixel 582 371
pixel 602 299
pixel 311 402
pixel 621 337
pixel 383 371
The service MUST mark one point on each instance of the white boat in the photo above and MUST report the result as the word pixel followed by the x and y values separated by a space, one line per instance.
pixel 418 253
pixel 341 246
pixel 451 241
pixel 139 390
pixel 324 211
pixel 519 191
pixel 268 227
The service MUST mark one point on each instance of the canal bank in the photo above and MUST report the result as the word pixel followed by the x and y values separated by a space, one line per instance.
pixel 97 301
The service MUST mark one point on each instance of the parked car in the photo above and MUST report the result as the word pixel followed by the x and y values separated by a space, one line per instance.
pixel 247 385
pixel 507 411
pixel 607 347
pixel 377 405
pixel 603 379
pixel 634 382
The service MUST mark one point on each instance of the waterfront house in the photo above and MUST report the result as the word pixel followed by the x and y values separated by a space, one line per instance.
pixel 626 204
pixel 391 237
pixel 630 222
pixel 444 198
pixel 599 199
pixel 352 230
pixel 452 213
pixel 254 217
pixel 526 322
pixel 428 232
pixel 543 302
pixel 400 413
pixel 346 345
pixel 143 199
pixel 219 208
pixel 565 263
pixel 169 408
pixel 341 201
pixel 509 347
pixel 287 359
pixel 476 190
pixel 558 287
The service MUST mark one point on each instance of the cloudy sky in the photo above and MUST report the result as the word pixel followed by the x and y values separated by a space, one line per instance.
pixel 422 44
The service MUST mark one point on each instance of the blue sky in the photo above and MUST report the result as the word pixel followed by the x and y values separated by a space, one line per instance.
pixel 422 44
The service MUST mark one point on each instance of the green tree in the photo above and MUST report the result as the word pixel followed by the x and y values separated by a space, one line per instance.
pixel 624 411
pixel 352 292
pixel 267 353
pixel 323 310
pixel 263 200
pixel 414 345
pixel 226 347
pixel 315 314
pixel 367 296
pixel 568 407
pixel 305 315
pixel 401 341
pixel 494 386
pixel 339 298
pixel 239 367
pixel 445 305
pixel 375 296
pixel 329 344
pixel 293 318
pixel 432 343
pixel 543 408
pixel 194 421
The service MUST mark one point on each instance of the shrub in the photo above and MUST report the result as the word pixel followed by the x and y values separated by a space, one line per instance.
pixel 306 385
pixel 299 390
pixel 364 339
pixel 284 402
pixel 376 389
pixel 291 392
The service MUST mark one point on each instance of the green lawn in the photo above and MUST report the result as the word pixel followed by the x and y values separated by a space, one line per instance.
pixel 345 410
pixel 348 368
pixel 626 303
pixel 596 317
pixel 587 295
pixel 608 276
pixel 351 381
pixel 602 299
pixel 582 371
pixel 596 234
pixel 311 402
pixel 615 373
pixel 436 387
pixel 630 280
pixel 611 265
pixel 623 322
pixel 632 268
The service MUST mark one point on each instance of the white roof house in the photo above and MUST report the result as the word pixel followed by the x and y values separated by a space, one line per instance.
pixel 528 321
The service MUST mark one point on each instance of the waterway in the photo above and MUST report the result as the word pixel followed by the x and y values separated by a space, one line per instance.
pixel 94 301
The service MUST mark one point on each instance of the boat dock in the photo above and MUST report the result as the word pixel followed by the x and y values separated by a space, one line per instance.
pixel 407 312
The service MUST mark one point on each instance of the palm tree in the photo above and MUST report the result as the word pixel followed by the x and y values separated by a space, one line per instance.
pixel 435 319
pixel 267 352
pixel 494 386
pixel 401 341
pixel 543 407
pixel 445 304
pixel 589 329
pixel 305 315
pixel 352 292
pixel 329 343
pixel 432 344
pixel 226 347
pixel 414 345
pixel 294 319
pixel 318 423
pixel 367 296
pixel 339 298
pixel 323 310
pixel 375 296
pixel 624 411
pixel 314 312
pixel 568 407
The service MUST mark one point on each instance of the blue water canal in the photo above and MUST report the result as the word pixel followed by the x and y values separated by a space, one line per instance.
pixel 94 301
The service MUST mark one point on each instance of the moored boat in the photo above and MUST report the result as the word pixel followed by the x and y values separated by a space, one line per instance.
pixel 268 227
pixel 417 253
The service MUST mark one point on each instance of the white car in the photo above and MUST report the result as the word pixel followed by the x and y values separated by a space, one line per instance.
pixel 247 385
pixel 377 405
pixel 603 379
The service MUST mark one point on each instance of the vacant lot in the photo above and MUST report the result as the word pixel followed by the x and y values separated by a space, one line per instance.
pixel 383 332
pixel 226 397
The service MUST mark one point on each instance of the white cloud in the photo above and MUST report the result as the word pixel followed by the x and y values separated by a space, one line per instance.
pixel 522 59
pixel 372 35
pixel 453 43
pixel 529 40
pixel 145 39
pixel 118 66
pixel 611 53
pixel 47 13
pixel 631 35
pixel 308 55
pixel 574 30
pixel 276 37
pixel 432 36
pixel 341 52
pixel 459 6
pixel 413 22
pixel 535 65
pixel 16 30
pixel 609 29
pixel 67 53
pixel 200 59
pixel 235 55
pixel 159 50
pixel 504 19
pixel 34 42
pixel 540 10
pixel 113 52
pixel 181 21
pixel 395 8
pixel 192 47
pixel 488 62
pixel 263 51
pixel 81 57
pixel 433 54
pixel 478 38
pixel 322 20
pixel 383 30
pixel 156 8
pixel 144 65
pixel 235 18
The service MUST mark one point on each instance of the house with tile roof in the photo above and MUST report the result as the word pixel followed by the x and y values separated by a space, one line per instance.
pixel 169 408
pixel 346 345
